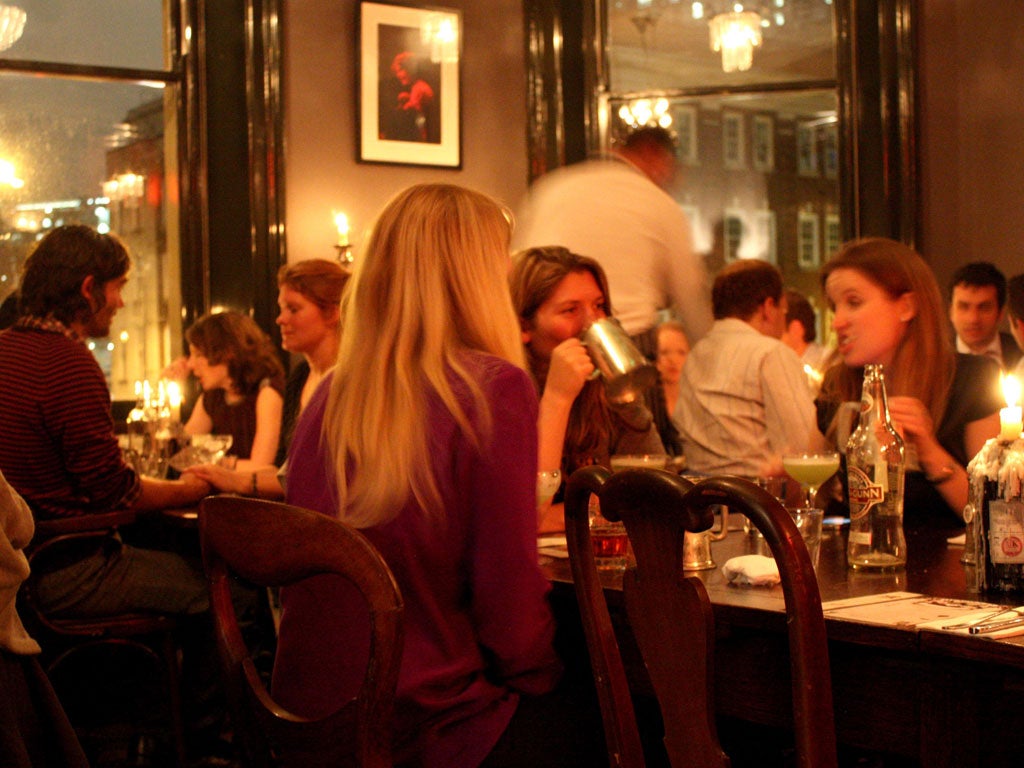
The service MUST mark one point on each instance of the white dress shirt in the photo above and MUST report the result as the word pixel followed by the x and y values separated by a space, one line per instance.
pixel 743 402
pixel 610 211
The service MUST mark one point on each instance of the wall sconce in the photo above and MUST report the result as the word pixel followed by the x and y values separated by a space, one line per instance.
pixel 342 246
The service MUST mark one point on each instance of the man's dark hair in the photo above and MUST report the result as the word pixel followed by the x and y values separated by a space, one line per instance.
pixel 799 308
pixel 51 283
pixel 742 286
pixel 979 274
pixel 1015 296
pixel 649 137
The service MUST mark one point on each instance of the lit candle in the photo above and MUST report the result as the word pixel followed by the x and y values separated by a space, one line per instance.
pixel 174 400
pixel 341 222
pixel 1010 416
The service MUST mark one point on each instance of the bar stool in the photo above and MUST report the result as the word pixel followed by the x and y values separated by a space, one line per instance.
pixel 63 638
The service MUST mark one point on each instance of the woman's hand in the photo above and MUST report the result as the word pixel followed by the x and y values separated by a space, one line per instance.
pixel 914 423
pixel 223 479
pixel 569 370
pixel 177 370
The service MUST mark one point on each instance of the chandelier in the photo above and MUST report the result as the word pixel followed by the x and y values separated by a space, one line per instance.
pixel 736 34
pixel 646 112
pixel 440 31
pixel 12 24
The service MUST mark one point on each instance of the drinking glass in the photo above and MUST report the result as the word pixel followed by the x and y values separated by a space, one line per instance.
pixel 811 470
pixel 611 544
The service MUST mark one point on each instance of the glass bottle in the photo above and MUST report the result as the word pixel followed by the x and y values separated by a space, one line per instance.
pixel 875 464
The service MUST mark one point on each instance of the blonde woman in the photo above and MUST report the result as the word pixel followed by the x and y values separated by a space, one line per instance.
pixel 426 440
pixel 887 309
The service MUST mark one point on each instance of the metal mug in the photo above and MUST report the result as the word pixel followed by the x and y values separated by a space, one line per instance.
pixel 625 371
pixel 697 546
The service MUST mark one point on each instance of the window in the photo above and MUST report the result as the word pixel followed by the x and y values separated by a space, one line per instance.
pixel 732 234
pixel 806 150
pixel 764 236
pixel 764 143
pixel 90 136
pixel 685 125
pixel 808 246
pixel 833 234
pixel 732 141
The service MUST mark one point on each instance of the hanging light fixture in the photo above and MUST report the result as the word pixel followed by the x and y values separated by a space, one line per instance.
pixel 441 32
pixel 12 24
pixel 736 34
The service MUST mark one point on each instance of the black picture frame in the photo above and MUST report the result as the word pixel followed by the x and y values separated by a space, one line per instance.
pixel 409 85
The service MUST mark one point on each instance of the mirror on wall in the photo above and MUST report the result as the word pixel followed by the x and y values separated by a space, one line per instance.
pixel 758 145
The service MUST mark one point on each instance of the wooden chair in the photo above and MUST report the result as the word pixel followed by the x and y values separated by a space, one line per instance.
pixel 672 618
pixel 273 544
pixel 64 637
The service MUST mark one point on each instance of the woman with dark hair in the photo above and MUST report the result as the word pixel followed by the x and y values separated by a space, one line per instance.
pixel 242 380
pixel 309 294
pixel 888 310
pixel 557 294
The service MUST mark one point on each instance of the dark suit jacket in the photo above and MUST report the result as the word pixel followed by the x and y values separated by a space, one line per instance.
pixel 1011 352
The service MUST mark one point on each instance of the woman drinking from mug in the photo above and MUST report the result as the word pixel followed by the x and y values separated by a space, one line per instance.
pixel 888 310
pixel 557 295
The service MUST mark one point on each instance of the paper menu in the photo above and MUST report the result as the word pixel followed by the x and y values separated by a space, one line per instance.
pixel 908 610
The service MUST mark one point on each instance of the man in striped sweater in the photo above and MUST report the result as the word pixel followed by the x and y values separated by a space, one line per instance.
pixel 57 442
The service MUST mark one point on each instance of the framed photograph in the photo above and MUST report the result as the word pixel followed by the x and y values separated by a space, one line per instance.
pixel 409 89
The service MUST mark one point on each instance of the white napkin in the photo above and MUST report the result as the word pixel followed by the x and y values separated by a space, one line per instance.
pixel 757 570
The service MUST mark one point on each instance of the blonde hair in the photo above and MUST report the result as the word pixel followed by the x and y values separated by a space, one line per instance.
pixel 430 286
pixel 924 361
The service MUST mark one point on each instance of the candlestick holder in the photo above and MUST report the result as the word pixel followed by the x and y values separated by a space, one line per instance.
pixel 344 254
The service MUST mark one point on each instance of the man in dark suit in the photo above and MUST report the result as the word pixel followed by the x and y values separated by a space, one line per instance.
pixel 977 303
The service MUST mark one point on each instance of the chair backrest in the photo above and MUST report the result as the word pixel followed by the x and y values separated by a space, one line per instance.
pixel 272 544
pixel 671 616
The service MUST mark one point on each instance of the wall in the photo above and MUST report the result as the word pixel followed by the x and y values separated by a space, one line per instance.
pixel 320 49
pixel 971 118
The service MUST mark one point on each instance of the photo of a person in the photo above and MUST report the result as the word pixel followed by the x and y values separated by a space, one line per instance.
pixel 409 90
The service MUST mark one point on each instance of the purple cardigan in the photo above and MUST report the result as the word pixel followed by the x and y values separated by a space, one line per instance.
pixel 478 628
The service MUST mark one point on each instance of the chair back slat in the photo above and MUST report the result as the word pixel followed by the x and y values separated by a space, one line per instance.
pixel 672 618
pixel 620 729
pixel 271 544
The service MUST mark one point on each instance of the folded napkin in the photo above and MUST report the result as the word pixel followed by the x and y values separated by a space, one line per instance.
pixel 757 570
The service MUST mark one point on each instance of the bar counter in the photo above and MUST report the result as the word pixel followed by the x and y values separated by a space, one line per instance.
pixel 932 697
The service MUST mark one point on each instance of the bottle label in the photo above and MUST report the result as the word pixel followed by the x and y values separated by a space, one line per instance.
pixel 863 491
pixel 1006 531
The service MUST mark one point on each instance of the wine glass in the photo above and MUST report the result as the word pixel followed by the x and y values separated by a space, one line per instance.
pixel 811 470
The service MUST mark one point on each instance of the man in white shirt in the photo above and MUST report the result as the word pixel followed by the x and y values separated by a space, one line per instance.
pixel 615 210
pixel 976 306
pixel 743 399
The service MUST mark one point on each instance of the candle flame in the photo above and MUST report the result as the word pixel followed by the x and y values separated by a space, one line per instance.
pixel 341 222
pixel 173 394
pixel 1011 389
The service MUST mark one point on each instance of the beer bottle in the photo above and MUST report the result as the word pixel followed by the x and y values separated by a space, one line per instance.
pixel 874 469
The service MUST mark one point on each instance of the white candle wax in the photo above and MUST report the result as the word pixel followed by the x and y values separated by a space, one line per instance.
pixel 1010 422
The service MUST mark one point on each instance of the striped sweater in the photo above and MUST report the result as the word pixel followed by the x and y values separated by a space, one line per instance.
pixel 57 442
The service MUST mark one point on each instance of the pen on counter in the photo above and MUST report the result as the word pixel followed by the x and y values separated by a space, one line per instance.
pixel 995 626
